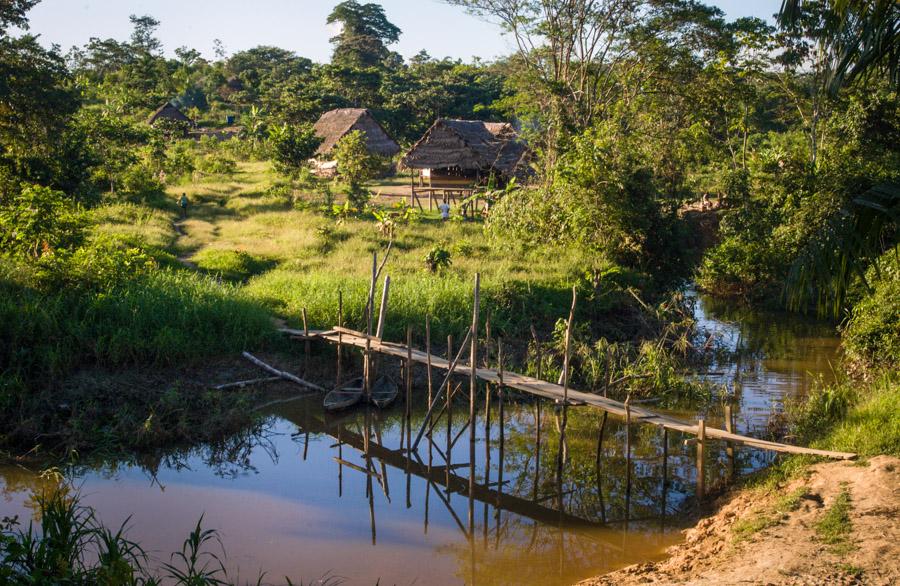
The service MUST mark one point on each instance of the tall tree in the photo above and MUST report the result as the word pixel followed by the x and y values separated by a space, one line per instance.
pixel 12 13
pixel 365 34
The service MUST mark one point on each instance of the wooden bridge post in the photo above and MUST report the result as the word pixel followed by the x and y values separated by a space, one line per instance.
pixel 473 385
pixel 305 343
pixel 408 372
pixel 340 351
pixel 701 444
pixel 473 358
pixel 449 408
pixel 665 469
pixel 502 447
pixel 627 458
pixel 729 447
pixel 382 310
pixel 367 367
pixel 428 353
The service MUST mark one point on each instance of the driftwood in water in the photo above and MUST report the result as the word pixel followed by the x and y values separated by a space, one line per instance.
pixel 281 374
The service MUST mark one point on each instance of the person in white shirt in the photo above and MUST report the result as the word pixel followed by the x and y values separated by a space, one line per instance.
pixel 445 210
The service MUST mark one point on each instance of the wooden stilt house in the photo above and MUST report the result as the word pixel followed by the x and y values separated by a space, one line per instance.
pixel 464 153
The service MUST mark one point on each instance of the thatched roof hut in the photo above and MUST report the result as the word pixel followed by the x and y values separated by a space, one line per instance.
pixel 470 146
pixel 336 124
pixel 169 111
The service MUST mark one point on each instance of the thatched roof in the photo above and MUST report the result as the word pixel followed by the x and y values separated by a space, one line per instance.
pixel 170 112
pixel 334 125
pixel 470 145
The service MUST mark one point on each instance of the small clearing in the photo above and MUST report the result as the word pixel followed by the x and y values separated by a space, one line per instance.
pixel 838 524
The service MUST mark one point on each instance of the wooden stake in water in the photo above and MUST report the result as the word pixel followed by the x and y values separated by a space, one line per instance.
pixel 729 447
pixel 627 457
pixel 408 371
pixel 367 367
pixel 537 448
pixel 473 358
pixel 449 405
pixel 473 385
pixel 665 470
pixel 565 381
pixel 701 444
pixel 428 352
pixel 340 351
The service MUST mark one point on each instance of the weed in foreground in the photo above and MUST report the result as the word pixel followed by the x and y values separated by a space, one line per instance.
pixel 834 527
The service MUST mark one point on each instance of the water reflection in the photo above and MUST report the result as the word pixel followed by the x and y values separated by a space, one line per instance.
pixel 307 494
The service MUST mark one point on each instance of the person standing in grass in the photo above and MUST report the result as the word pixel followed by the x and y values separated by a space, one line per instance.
pixel 183 202
pixel 445 210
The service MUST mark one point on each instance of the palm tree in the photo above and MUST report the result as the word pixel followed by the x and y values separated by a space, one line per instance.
pixel 862 38
pixel 851 242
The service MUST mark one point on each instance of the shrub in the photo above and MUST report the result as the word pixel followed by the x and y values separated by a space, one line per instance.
pixel 872 334
pixel 140 184
pixel 180 160
pixel 438 258
pixel 39 221
pixel 355 166
pixel 103 264
pixel 234 265
pixel 217 163
pixel 292 146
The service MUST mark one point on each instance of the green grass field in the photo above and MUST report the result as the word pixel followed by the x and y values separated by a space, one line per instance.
pixel 286 253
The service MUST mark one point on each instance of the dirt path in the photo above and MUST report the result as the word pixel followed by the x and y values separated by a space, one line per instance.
pixel 186 259
pixel 805 532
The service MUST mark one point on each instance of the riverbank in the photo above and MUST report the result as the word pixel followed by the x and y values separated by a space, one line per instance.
pixel 834 524
pixel 801 522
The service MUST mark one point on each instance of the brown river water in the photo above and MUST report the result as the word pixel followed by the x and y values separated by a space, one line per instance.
pixel 299 497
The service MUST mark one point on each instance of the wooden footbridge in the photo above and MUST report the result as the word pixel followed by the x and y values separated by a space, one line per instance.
pixel 555 392
pixel 559 393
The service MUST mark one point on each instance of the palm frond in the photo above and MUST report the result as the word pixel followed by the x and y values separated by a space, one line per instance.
pixel 830 266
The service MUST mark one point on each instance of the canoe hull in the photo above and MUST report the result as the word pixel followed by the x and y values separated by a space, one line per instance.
pixel 345 396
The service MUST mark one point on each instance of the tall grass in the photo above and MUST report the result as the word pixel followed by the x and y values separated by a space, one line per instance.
pixel 871 425
pixel 164 317
pixel 446 299
pixel 71 546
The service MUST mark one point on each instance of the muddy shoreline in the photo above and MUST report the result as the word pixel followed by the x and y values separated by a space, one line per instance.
pixel 784 534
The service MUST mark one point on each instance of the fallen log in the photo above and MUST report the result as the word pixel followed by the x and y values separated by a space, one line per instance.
pixel 282 374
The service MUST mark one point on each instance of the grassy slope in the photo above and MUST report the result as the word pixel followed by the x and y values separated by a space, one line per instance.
pixel 292 258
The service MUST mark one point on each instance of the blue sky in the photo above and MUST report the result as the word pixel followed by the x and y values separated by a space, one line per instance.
pixel 298 25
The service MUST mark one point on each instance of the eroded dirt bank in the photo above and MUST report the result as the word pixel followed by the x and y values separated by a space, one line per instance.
pixel 839 524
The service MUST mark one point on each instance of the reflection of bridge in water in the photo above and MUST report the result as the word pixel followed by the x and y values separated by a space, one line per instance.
pixel 441 478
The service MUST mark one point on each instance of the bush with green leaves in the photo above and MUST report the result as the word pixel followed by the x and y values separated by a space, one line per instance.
pixel 139 183
pixel 872 333
pixel 98 266
pixel 355 166
pixel 291 146
pixel 217 163
pixel 39 221
pixel 181 159
pixel 437 259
